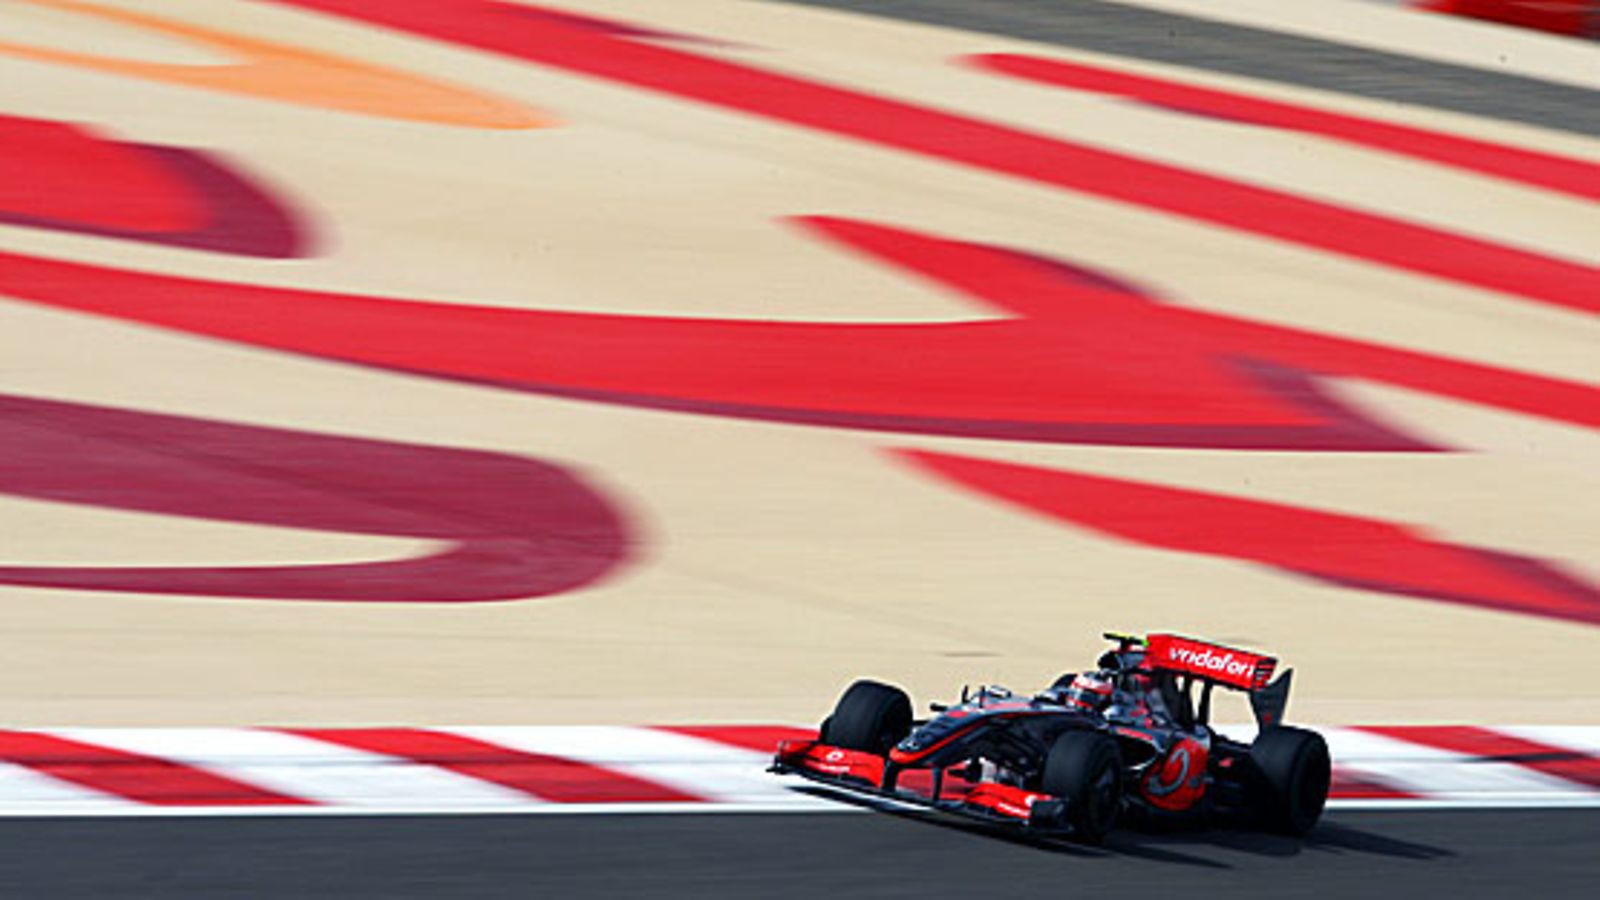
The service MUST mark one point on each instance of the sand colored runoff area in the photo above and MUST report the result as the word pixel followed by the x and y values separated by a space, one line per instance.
pixel 726 293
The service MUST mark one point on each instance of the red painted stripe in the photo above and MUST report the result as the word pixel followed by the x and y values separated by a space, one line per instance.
pixel 1546 170
pixel 132 776
pixel 1495 746
pixel 60 173
pixel 1351 786
pixel 1061 370
pixel 1574 18
pixel 924 131
pixel 760 738
pixel 552 778
pixel 1353 551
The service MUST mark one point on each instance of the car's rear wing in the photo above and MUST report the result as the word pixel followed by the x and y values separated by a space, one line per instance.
pixel 1226 666
pixel 1214 664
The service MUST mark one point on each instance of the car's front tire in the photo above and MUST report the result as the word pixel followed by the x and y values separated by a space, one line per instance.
pixel 870 716
pixel 1291 772
pixel 1084 769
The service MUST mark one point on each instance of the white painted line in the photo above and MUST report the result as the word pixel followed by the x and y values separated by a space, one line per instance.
pixel 1575 801
pixel 530 809
pixel 131 810
pixel 305 768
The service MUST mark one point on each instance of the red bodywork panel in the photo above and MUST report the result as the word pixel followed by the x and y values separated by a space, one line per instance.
pixel 823 759
pixel 837 762
pixel 1004 799
pixel 1212 662
pixel 1178 782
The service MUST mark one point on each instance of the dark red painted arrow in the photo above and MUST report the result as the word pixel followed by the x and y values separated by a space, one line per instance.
pixel 512 527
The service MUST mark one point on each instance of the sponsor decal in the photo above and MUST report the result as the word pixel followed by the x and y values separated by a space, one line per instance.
pixel 1179 782
pixel 1209 659
pixel 1236 668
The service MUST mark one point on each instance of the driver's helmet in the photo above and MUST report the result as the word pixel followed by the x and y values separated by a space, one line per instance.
pixel 1089 691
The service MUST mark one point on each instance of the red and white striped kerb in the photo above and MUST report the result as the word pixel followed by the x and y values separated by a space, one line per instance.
pixel 589 769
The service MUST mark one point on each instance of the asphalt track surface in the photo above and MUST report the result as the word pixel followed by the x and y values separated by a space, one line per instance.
pixel 1164 37
pixel 1352 854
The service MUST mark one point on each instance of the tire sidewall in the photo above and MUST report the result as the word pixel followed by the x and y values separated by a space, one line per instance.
pixel 870 717
pixel 1076 762
pixel 1291 770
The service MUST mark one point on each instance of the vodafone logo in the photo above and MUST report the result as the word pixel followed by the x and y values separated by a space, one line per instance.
pixel 1209 659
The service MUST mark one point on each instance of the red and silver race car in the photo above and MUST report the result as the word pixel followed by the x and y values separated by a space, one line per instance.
pixel 1125 741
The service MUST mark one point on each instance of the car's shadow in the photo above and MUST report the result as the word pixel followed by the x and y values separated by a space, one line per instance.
pixel 1197 844
pixel 1172 844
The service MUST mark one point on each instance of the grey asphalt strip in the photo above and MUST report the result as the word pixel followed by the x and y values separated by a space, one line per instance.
pixel 1460 855
pixel 1239 50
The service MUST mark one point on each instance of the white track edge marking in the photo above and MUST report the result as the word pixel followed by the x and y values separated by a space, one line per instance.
pixel 598 809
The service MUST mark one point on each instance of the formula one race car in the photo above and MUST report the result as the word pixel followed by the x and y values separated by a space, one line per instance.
pixel 1126 741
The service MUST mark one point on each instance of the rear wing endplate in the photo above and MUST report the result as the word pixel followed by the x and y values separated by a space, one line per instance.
pixel 1269 702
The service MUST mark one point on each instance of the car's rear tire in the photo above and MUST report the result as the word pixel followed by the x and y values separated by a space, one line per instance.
pixel 871 717
pixel 1084 768
pixel 1291 771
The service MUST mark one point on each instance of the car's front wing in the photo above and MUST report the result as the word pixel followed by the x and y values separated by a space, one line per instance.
pixel 863 774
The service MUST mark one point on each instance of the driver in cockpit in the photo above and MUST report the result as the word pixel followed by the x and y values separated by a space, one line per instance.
pixel 1131 696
